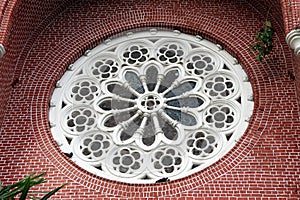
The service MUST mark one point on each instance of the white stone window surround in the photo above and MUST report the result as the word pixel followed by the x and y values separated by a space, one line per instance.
pixel 215 120
pixel 2 51
pixel 293 40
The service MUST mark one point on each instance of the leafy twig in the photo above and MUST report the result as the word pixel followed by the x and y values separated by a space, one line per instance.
pixel 22 187
pixel 264 41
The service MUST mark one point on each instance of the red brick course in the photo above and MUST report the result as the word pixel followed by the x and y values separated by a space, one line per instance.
pixel 263 164
pixel 291 14
pixel 19 23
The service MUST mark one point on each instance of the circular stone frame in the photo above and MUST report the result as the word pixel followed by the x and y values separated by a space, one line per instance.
pixel 186 55
pixel 55 62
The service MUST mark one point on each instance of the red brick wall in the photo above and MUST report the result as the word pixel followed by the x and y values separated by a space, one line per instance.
pixel 297 74
pixel 291 14
pixel 269 9
pixel 263 164
pixel 6 73
pixel 19 24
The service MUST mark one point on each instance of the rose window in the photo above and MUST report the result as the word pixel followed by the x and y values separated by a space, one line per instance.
pixel 151 105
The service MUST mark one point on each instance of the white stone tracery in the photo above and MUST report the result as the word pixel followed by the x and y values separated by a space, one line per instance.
pixel 151 105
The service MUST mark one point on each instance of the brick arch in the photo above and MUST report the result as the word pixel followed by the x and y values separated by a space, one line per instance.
pixel 46 76
pixel 35 15
pixel 274 121
pixel 19 20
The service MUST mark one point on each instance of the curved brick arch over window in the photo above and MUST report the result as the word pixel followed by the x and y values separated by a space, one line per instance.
pixel 72 171
pixel 150 105
pixel 43 72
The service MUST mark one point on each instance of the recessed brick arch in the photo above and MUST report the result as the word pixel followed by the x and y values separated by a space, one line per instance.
pixel 54 64
pixel 48 58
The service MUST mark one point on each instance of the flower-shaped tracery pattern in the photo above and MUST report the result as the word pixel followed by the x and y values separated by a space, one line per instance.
pixel 200 63
pixel 128 161
pixel 170 53
pixel 93 146
pixel 84 90
pixel 204 143
pixel 221 85
pixel 136 54
pixel 155 109
pixel 167 160
pixel 221 116
pixel 156 105
pixel 103 66
pixel 79 120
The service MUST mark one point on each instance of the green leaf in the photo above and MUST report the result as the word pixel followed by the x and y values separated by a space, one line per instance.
pixel 26 188
pixel 264 41
pixel 268 23
pixel 39 176
pixel 259 58
pixel 9 187
pixel 11 194
pixel 23 187
pixel 53 192
pixel 12 190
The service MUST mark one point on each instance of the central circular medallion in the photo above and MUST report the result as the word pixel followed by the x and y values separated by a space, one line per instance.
pixel 150 105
